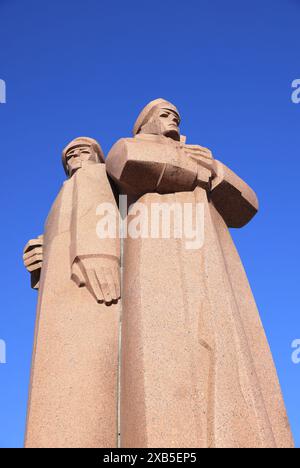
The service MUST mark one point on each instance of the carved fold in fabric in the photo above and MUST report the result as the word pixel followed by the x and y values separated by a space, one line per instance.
pixel 196 366
pixel 73 392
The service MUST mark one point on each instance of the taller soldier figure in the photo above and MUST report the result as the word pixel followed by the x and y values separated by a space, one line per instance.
pixel 196 367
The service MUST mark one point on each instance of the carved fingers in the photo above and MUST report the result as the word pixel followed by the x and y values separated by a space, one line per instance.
pixel 108 278
pixel 94 285
pixel 105 283
pixel 198 151
pixel 101 277
pixel 33 254
pixel 77 274
pixel 202 156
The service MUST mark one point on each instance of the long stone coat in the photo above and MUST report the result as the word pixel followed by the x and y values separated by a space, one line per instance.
pixel 196 368
pixel 73 394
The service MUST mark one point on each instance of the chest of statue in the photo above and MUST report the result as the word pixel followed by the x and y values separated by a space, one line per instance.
pixel 149 163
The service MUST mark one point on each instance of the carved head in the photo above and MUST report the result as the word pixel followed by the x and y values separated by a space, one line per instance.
pixel 81 152
pixel 159 117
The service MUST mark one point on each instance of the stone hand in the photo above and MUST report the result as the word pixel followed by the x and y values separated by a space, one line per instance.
pixel 203 156
pixel 100 275
pixel 33 254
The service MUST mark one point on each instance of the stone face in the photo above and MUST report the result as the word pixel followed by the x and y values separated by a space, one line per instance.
pixel 73 392
pixel 196 368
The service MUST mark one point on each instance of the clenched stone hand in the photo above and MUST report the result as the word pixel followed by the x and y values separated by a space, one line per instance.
pixel 33 259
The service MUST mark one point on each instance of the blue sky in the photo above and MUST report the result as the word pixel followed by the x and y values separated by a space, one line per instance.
pixel 86 68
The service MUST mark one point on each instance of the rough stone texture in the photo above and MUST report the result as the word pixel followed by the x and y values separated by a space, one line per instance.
pixel 73 392
pixel 196 366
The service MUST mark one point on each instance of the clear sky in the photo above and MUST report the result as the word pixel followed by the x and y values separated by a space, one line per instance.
pixel 87 67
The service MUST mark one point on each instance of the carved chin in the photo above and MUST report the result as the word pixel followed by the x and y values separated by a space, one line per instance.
pixel 173 133
pixel 74 168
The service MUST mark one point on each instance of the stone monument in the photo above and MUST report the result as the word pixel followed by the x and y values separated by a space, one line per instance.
pixel 195 369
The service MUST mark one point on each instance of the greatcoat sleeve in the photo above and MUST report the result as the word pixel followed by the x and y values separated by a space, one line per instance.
pixel 235 201
pixel 91 190
pixel 140 166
